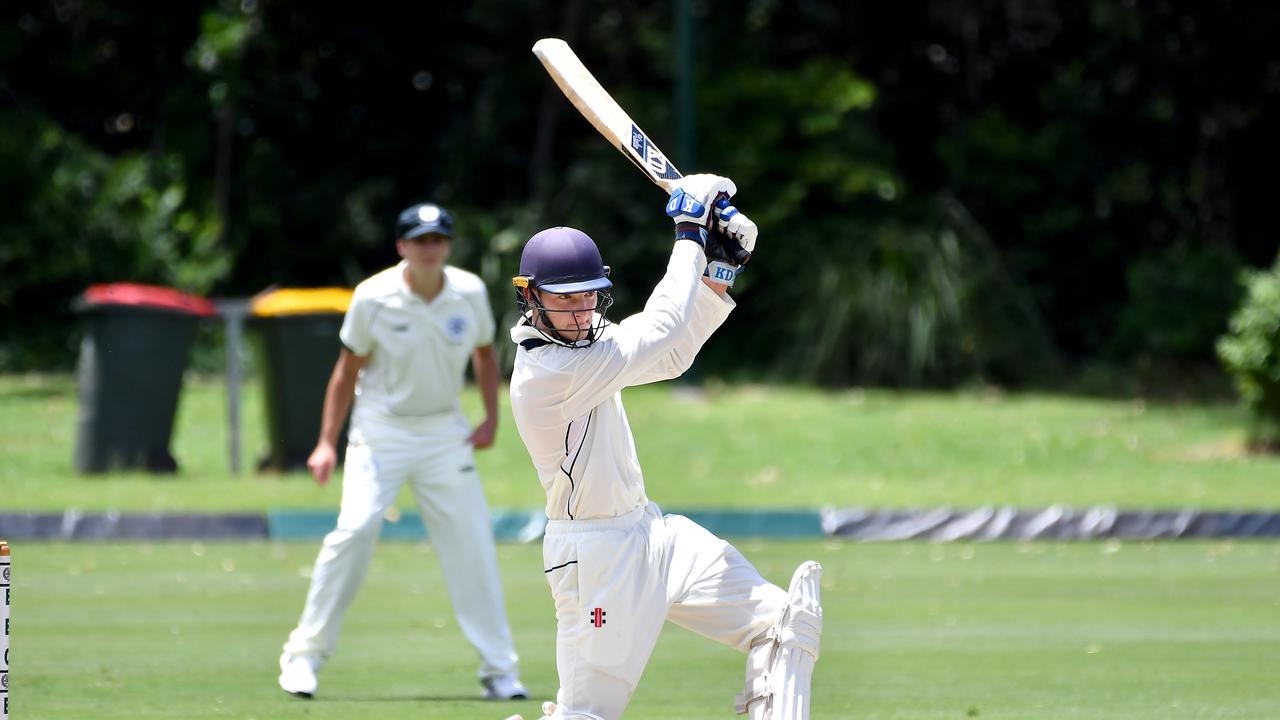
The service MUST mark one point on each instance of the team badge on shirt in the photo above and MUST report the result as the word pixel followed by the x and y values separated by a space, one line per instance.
pixel 456 328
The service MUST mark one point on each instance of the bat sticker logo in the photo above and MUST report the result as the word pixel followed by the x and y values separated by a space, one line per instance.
pixel 638 141
pixel 650 155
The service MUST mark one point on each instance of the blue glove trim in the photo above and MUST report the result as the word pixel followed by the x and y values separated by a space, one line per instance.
pixel 726 210
pixel 682 203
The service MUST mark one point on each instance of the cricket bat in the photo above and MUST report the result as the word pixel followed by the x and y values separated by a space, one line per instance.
pixel 610 120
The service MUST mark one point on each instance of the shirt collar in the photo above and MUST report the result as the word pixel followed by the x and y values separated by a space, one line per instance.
pixel 524 331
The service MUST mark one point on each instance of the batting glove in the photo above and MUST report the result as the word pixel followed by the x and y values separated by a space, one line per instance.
pixel 691 204
pixel 725 258
pixel 735 225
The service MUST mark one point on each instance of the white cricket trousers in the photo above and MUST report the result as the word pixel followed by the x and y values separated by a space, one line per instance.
pixel 615 582
pixel 438 464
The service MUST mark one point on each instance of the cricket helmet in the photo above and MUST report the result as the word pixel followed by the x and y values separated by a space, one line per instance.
pixel 423 218
pixel 562 260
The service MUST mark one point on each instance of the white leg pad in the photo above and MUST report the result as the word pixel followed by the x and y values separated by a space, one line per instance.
pixel 780 662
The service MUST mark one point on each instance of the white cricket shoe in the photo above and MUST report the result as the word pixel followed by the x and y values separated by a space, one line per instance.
pixel 504 687
pixel 298 674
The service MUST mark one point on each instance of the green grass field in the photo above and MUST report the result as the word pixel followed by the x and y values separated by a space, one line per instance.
pixel 1122 631
pixel 913 631
pixel 732 447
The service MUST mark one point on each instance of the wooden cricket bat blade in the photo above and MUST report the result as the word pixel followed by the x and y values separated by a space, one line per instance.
pixel 602 111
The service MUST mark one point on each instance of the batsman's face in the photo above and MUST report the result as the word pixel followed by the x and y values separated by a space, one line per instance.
pixel 426 252
pixel 570 313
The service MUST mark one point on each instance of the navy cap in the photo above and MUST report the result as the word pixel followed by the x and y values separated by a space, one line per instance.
pixel 423 218
pixel 563 260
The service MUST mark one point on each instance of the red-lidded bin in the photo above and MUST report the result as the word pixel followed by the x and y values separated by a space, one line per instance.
pixel 131 364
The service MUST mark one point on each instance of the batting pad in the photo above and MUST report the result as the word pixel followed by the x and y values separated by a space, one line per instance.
pixel 780 662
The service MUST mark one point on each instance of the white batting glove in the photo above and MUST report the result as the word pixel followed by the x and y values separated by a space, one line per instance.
pixel 736 225
pixel 693 200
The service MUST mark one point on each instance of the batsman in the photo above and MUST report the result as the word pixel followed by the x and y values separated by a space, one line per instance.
pixel 618 568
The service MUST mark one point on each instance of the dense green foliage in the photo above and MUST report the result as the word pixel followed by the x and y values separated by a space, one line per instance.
pixel 946 191
pixel 1251 353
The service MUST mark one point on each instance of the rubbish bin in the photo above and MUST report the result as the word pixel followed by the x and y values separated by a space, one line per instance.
pixel 296 343
pixel 130 369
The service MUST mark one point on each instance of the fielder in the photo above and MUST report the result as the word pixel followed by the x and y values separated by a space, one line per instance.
pixel 618 568
pixel 407 337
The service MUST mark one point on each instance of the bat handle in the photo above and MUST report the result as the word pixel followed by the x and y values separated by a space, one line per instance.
pixel 740 256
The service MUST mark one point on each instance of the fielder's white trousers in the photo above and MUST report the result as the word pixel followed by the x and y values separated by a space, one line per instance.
pixel 616 581
pixel 433 457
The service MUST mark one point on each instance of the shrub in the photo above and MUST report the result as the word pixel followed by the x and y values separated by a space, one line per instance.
pixel 1251 354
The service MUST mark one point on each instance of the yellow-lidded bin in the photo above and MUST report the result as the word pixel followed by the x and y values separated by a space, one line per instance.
pixel 301 301
pixel 296 344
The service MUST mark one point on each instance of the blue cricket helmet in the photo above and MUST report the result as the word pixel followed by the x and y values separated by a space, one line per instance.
pixel 563 260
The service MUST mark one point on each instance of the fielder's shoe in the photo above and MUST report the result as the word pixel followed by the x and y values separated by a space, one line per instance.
pixel 504 687
pixel 298 675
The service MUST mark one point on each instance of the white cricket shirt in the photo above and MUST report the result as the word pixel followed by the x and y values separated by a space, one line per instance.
pixel 418 349
pixel 567 401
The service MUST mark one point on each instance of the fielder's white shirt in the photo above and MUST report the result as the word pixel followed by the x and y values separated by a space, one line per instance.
pixel 419 349
pixel 567 401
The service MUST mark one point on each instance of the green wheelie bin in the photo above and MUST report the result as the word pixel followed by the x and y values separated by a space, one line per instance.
pixel 296 344
pixel 129 374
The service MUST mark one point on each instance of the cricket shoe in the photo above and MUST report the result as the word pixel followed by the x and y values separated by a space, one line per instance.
pixel 298 675
pixel 504 687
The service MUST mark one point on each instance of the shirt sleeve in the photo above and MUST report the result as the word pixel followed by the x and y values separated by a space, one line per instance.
pixel 657 343
pixel 357 325
pixel 485 324
pixel 708 314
